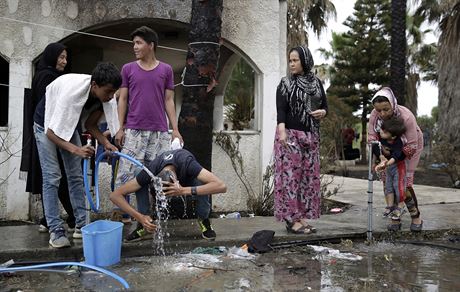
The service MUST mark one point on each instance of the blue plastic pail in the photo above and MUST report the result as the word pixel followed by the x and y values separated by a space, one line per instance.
pixel 102 242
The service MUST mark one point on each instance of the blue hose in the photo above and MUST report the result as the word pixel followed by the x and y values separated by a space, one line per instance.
pixel 101 270
pixel 96 208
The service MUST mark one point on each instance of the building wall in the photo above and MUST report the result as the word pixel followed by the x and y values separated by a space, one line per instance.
pixel 253 27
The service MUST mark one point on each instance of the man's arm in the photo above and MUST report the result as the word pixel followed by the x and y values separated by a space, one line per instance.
pixel 122 109
pixel 117 197
pixel 171 113
pixel 211 185
pixel 91 126
pixel 85 151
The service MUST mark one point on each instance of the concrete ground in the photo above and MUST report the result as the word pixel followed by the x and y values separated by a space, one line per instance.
pixel 439 208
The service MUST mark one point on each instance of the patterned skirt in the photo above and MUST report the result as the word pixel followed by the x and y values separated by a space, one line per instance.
pixel 297 176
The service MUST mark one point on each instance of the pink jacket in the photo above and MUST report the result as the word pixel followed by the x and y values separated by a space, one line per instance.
pixel 412 139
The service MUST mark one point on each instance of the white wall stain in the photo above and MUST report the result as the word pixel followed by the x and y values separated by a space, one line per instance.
pixel 27 33
pixel 46 8
pixel 7 48
pixel 100 10
pixel 72 10
pixel 12 6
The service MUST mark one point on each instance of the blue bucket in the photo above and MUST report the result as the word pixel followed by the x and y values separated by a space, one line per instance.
pixel 102 242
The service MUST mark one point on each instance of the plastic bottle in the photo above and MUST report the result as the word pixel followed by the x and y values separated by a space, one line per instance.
pixel 234 215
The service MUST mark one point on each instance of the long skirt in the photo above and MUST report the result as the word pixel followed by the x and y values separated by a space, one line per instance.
pixel 297 177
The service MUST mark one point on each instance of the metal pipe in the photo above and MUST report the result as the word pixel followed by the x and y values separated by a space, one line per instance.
pixel 370 190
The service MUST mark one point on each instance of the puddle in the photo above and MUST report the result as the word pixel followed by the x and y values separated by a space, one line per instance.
pixel 344 267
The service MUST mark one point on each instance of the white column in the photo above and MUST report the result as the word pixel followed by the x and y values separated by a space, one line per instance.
pixel 17 200
pixel 218 115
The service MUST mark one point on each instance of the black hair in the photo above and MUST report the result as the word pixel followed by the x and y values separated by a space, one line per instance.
pixel 147 34
pixel 380 98
pixel 167 175
pixel 106 73
pixel 395 126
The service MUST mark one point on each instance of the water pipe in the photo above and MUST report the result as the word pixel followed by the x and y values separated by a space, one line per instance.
pixel 96 207
pixel 370 189
pixel 101 270
pixel 87 184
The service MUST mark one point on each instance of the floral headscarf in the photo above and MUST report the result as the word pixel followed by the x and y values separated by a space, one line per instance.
pixel 388 93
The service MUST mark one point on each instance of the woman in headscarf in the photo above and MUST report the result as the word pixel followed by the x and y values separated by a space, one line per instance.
pixel 385 107
pixel 51 65
pixel 301 104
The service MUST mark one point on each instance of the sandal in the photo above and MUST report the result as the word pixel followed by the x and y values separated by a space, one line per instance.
pixel 301 230
pixel 304 223
pixel 388 211
pixel 416 227
pixel 397 213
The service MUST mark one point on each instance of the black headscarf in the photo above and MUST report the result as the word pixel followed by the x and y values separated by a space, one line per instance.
pixel 46 71
pixel 299 89
pixel 45 74
pixel 50 55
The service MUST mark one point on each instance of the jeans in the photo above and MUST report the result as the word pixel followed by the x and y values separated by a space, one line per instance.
pixel 203 205
pixel 47 151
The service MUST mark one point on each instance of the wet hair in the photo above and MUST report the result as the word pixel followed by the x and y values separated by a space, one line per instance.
pixel 106 73
pixel 395 126
pixel 147 34
pixel 379 99
pixel 167 175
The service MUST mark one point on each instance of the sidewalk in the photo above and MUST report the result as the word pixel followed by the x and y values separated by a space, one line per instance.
pixel 439 208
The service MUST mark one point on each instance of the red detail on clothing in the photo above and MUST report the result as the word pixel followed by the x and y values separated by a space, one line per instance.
pixel 401 180
pixel 409 151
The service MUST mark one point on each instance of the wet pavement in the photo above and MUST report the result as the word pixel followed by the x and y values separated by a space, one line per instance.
pixel 342 267
pixel 269 272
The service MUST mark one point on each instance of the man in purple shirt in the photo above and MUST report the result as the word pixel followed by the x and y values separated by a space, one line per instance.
pixel 146 94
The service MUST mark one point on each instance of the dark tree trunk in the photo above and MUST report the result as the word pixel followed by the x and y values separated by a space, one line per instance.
pixel 398 49
pixel 196 115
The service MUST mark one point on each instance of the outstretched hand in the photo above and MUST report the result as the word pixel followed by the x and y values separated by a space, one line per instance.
pixel 381 166
pixel 147 222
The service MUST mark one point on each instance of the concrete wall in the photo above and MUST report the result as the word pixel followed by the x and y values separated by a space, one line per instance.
pixel 255 29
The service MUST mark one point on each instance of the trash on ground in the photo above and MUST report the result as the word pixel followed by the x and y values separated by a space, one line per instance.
pixel 335 253
pixel 336 210
pixel 216 250
pixel 239 253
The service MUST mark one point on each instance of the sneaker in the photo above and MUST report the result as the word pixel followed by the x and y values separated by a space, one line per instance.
pixel 77 233
pixel 396 214
pixel 206 229
pixel 58 239
pixel 138 234
pixel 42 228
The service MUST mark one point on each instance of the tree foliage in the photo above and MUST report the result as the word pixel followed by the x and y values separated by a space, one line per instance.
pixel 361 57
pixel 307 14
pixel 239 96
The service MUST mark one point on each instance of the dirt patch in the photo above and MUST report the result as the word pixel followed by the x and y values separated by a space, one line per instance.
pixel 15 223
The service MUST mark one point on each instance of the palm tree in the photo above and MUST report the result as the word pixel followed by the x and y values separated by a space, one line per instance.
pixel 448 11
pixel 398 49
pixel 196 115
pixel 420 63
pixel 304 14
pixel 449 87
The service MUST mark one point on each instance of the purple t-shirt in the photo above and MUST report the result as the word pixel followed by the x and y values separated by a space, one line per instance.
pixel 146 96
